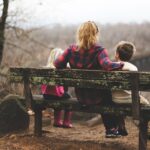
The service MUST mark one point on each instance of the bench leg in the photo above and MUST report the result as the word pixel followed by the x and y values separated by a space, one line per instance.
pixel 38 123
pixel 143 126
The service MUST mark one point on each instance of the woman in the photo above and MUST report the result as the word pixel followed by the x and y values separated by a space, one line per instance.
pixel 88 54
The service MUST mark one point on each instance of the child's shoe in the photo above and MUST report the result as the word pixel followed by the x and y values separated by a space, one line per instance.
pixel 58 124
pixel 112 133
pixel 67 125
pixel 67 119
pixel 57 118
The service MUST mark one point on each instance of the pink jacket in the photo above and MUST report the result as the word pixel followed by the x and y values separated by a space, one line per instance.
pixel 52 90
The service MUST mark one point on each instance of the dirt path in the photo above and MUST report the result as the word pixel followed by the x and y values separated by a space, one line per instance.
pixel 80 137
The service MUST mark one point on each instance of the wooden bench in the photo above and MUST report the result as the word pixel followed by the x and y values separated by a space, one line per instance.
pixel 134 81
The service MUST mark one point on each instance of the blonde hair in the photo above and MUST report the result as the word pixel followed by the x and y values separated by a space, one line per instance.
pixel 87 35
pixel 54 54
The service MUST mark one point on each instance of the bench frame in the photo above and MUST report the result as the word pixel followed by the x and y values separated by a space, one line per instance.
pixel 134 81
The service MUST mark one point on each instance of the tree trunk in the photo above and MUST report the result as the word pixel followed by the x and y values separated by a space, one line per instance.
pixel 2 27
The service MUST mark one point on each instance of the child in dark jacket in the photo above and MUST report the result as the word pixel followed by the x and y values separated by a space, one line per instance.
pixel 124 52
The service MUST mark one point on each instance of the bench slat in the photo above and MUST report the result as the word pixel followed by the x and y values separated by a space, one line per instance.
pixel 70 73
pixel 90 78
pixel 74 105
pixel 100 84
pixel 78 74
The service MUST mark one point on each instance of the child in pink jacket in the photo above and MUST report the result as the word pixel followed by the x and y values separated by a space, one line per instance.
pixel 57 93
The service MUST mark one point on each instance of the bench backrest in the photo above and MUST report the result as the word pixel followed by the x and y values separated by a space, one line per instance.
pixel 83 78
pixel 134 81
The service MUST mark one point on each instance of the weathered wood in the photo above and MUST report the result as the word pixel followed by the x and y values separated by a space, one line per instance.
pixel 27 90
pixel 143 126
pixel 74 105
pixel 15 79
pixel 69 73
pixel 135 96
pixel 98 84
pixel 38 122
pixel 77 73
pixel 114 85
pixel 81 78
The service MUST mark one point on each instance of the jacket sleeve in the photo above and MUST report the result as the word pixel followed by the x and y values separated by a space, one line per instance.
pixel 61 61
pixel 106 63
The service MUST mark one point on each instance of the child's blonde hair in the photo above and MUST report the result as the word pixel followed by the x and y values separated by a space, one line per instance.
pixel 54 54
pixel 87 35
pixel 125 50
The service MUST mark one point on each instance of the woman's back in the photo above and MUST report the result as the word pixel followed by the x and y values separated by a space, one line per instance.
pixel 81 59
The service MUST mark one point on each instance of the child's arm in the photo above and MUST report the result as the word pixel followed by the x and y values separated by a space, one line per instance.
pixel 130 67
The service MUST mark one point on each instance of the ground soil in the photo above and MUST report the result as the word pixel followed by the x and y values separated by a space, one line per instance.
pixel 80 137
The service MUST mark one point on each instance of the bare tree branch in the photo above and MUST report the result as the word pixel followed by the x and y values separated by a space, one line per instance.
pixel 25 34
pixel 24 49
